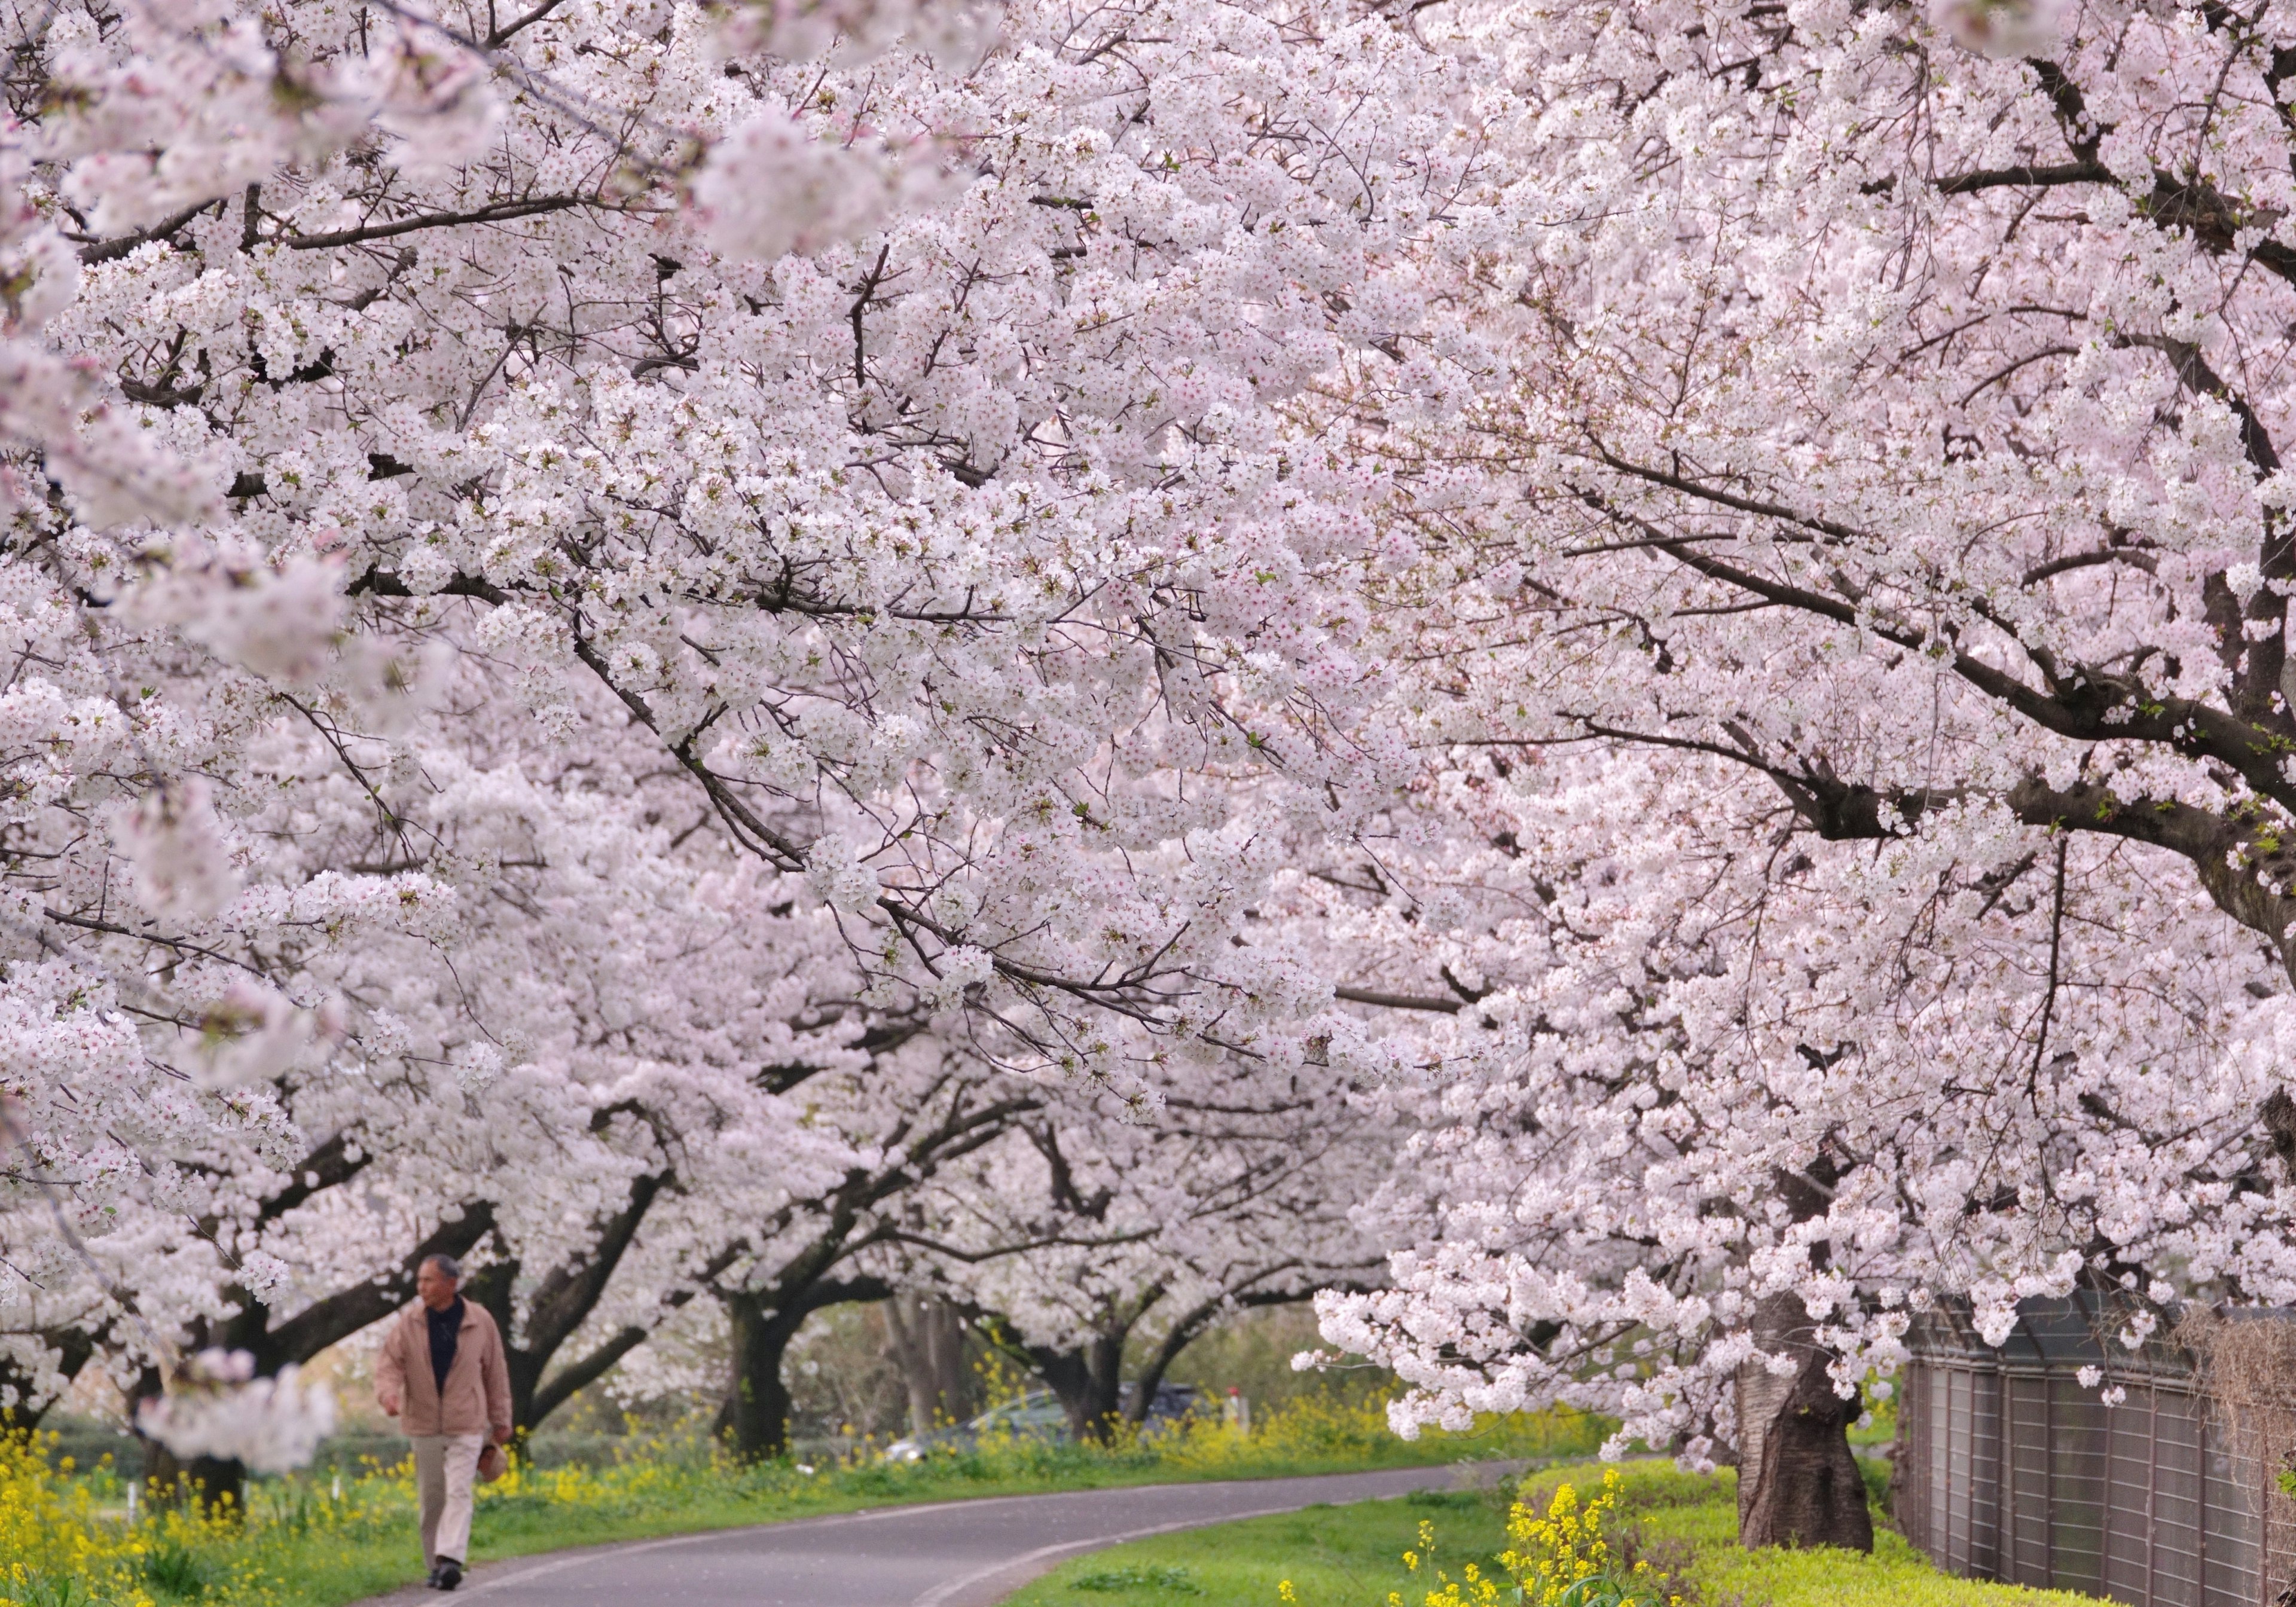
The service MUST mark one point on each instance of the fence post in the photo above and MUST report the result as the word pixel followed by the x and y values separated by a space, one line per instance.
pixel 2153 1495
pixel 2005 1470
pixel 2048 1478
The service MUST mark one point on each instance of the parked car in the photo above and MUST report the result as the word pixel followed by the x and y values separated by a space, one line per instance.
pixel 1036 1415
pixel 1172 1402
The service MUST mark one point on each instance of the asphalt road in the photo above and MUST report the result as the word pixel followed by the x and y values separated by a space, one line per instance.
pixel 952 1553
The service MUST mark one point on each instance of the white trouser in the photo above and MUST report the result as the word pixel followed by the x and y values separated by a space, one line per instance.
pixel 446 1471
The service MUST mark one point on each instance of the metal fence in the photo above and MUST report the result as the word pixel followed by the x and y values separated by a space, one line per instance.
pixel 2008 1467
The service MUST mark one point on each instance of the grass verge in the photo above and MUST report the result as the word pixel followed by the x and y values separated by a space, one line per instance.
pixel 1333 1556
pixel 313 1542
pixel 1685 1525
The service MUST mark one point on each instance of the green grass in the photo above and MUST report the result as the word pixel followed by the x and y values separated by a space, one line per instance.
pixel 1334 1556
pixel 301 1545
pixel 1685 1523
pixel 1895 1575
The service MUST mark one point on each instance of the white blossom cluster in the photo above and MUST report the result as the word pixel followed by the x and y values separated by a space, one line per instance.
pixel 220 1409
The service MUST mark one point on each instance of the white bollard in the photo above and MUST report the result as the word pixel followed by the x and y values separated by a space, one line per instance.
pixel 1237 1410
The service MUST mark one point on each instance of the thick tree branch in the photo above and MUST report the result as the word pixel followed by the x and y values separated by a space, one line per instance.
pixel 93 250
pixel 2083 703
pixel 2239 859
pixel 1384 1000
pixel 501 211
pixel 344 1313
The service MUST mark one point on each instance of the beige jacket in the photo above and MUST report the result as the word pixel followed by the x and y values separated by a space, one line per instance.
pixel 477 1397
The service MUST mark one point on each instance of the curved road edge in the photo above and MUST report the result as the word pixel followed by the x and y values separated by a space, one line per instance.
pixel 973 1551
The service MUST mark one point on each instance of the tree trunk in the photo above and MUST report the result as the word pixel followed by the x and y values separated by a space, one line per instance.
pixel 1141 1399
pixel 1089 1381
pixel 925 1337
pixel 1797 1482
pixel 219 1485
pixel 491 1288
pixel 757 1414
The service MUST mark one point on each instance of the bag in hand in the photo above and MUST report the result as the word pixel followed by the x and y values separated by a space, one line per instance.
pixel 492 1463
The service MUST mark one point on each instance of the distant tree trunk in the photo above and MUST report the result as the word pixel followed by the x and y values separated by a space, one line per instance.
pixel 926 1340
pixel 1798 1481
pixel 755 1419
pixel 1088 1380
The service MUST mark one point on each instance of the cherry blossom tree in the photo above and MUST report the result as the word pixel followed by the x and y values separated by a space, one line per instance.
pixel 814 521
pixel 1850 621
pixel 505 1084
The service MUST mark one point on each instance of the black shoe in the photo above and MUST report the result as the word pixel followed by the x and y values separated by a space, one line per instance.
pixel 450 1574
pixel 430 1580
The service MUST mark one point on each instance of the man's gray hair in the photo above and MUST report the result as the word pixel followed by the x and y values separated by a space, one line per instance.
pixel 448 1268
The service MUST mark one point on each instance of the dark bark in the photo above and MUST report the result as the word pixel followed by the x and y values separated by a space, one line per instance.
pixel 1798 1481
pixel 758 1408
pixel 755 1419
pixel 74 1347
pixel 1088 1380
pixel 220 1487
pixel 559 1304
pixel 2278 1114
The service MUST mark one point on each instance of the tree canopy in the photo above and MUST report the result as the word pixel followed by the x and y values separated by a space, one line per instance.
pixel 1113 660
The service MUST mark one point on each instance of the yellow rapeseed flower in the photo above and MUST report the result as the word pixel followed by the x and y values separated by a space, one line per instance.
pixel 52 1535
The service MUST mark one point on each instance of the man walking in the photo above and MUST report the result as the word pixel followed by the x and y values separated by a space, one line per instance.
pixel 442 1374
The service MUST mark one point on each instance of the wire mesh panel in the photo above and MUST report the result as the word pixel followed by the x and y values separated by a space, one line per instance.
pixel 2009 1467
pixel 2230 1558
pixel 1918 1467
pixel 2128 1537
pixel 1962 1494
pixel 1985 1503
pixel 2026 1431
pixel 2077 1469
pixel 2175 1564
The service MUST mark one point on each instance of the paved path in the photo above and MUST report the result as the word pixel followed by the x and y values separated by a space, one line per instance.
pixel 952 1553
